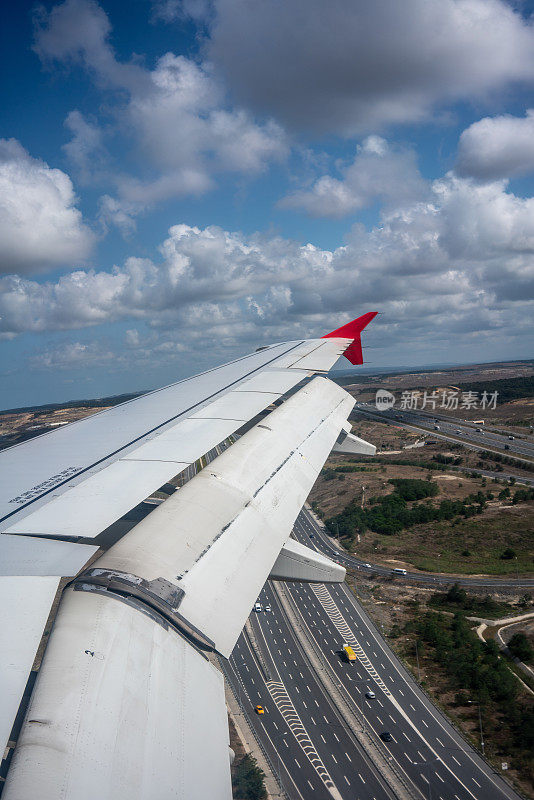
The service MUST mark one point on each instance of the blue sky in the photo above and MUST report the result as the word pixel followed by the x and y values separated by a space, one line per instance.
pixel 182 181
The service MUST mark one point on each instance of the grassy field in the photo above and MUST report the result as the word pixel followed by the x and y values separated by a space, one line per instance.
pixel 473 546
pixel 442 546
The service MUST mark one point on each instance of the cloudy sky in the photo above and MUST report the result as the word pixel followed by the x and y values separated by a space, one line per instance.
pixel 182 181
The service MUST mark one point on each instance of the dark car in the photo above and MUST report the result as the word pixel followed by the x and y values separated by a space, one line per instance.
pixel 386 736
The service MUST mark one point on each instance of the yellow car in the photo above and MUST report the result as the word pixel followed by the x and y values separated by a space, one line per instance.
pixel 260 710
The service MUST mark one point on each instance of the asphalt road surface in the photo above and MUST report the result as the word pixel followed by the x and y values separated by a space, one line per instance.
pixel 333 748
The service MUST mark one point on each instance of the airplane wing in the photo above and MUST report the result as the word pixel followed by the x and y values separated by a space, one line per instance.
pixel 126 702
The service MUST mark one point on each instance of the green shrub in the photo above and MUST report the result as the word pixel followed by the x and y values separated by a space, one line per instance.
pixel 248 780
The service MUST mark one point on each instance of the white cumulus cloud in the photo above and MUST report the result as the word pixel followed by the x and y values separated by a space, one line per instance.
pixel 457 260
pixel 176 116
pixel 352 66
pixel 497 147
pixel 378 172
pixel 40 226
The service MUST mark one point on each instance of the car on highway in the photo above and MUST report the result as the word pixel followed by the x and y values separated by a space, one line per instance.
pixel 257 607
pixel 399 571
pixel 267 607
pixel 511 438
pixel 369 566
pixel 370 694
pixel 259 710
pixel 386 736
pixel 312 535
pixel 458 430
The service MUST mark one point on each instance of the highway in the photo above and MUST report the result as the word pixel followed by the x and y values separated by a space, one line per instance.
pixel 456 430
pixel 297 709
pixel 425 745
pixel 436 760
pixel 434 757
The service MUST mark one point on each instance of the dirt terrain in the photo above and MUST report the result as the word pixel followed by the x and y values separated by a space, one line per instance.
pixel 468 546
pixel 446 377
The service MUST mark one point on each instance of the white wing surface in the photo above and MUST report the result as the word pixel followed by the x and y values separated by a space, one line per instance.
pixel 113 460
pixel 126 704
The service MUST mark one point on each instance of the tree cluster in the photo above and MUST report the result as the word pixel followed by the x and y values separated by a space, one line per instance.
pixel 247 781
pixel 391 514
pixel 520 647
pixel 477 673
pixel 458 599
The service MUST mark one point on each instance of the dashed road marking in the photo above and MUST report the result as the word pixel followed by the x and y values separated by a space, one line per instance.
pixel 288 711
pixel 325 599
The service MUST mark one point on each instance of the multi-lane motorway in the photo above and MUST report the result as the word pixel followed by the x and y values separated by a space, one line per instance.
pixel 469 434
pixel 274 671
pixel 301 729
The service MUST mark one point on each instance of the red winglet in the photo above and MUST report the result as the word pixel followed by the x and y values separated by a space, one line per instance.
pixel 352 330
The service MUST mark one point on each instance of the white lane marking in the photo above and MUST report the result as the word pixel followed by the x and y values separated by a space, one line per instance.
pixel 329 605
pixel 477 783
pixel 285 706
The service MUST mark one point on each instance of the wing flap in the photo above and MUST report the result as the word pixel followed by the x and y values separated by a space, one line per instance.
pixel 25 603
pixel 123 707
pixel 91 506
pixel 297 562
pixel 26 555
pixel 213 543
